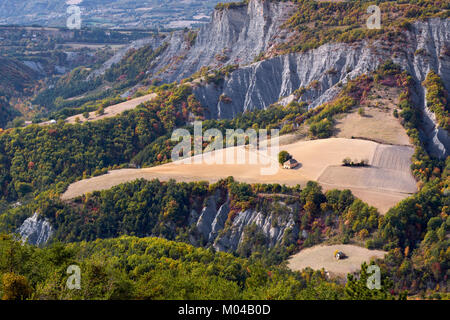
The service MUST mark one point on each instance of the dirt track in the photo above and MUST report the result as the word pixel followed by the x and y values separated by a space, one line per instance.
pixel 114 110
pixel 319 257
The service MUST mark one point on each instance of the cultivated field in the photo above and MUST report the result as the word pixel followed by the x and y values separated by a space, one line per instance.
pixel 319 257
pixel 369 178
pixel 378 122
pixel 386 182
pixel 381 199
pixel 319 161
pixel 389 170
pixel 114 110
pixel 393 157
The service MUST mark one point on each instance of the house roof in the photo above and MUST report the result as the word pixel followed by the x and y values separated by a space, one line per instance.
pixel 291 161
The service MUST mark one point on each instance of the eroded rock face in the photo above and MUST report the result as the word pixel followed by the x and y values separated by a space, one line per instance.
pixel 261 84
pixel 212 226
pixel 205 221
pixel 428 47
pixel 258 85
pixel 234 36
pixel 35 230
pixel 271 226
pixel 238 35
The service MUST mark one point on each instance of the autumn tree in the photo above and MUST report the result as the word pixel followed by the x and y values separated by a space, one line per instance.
pixel 15 287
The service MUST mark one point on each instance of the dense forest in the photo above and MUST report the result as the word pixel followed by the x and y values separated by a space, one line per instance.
pixel 137 241
pixel 153 208
pixel 438 99
pixel 7 113
pixel 154 268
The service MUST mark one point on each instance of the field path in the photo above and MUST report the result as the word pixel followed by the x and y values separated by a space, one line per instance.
pixel 113 110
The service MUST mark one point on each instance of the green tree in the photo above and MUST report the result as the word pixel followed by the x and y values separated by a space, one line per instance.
pixel 358 289
pixel 15 287
pixel 283 156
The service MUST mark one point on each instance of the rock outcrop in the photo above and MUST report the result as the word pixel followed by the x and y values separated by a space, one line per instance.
pixel 261 84
pixel 238 35
pixel 213 228
pixel 35 230
pixel 258 85
pixel 234 36
pixel 428 48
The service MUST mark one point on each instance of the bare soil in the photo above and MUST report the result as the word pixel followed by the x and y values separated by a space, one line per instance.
pixel 378 122
pixel 319 161
pixel 114 110
pixel 319 257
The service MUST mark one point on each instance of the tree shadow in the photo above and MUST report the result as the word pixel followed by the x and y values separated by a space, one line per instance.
pixel 298 167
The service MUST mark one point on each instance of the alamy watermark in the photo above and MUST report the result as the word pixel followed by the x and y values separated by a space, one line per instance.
pixel 374 21
pixel 242 147
pixel 74 280
pixel 74 12
pixel 374 279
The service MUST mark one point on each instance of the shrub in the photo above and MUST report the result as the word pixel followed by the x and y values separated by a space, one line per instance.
pixel 283 156
pixel 15 287
pixel 347 162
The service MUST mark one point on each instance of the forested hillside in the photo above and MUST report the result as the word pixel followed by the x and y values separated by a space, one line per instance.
pixel 418 246
pixel 319 22
pixel 303 67
pixel 16 77
pixel 7 113
pixel 152 268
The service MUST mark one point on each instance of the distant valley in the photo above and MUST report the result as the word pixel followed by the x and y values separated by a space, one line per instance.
pixel 141 14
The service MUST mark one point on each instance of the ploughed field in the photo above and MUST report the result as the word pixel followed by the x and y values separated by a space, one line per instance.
pixel 384 183
pixel 389 170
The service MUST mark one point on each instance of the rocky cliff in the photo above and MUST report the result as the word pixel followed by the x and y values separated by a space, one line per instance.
pixel 261 84
pixel 209 226
pixel 270 225
pixel 234 36
pixel 428 48
pixel 35 230
pixel 238 35
pixel 258 85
